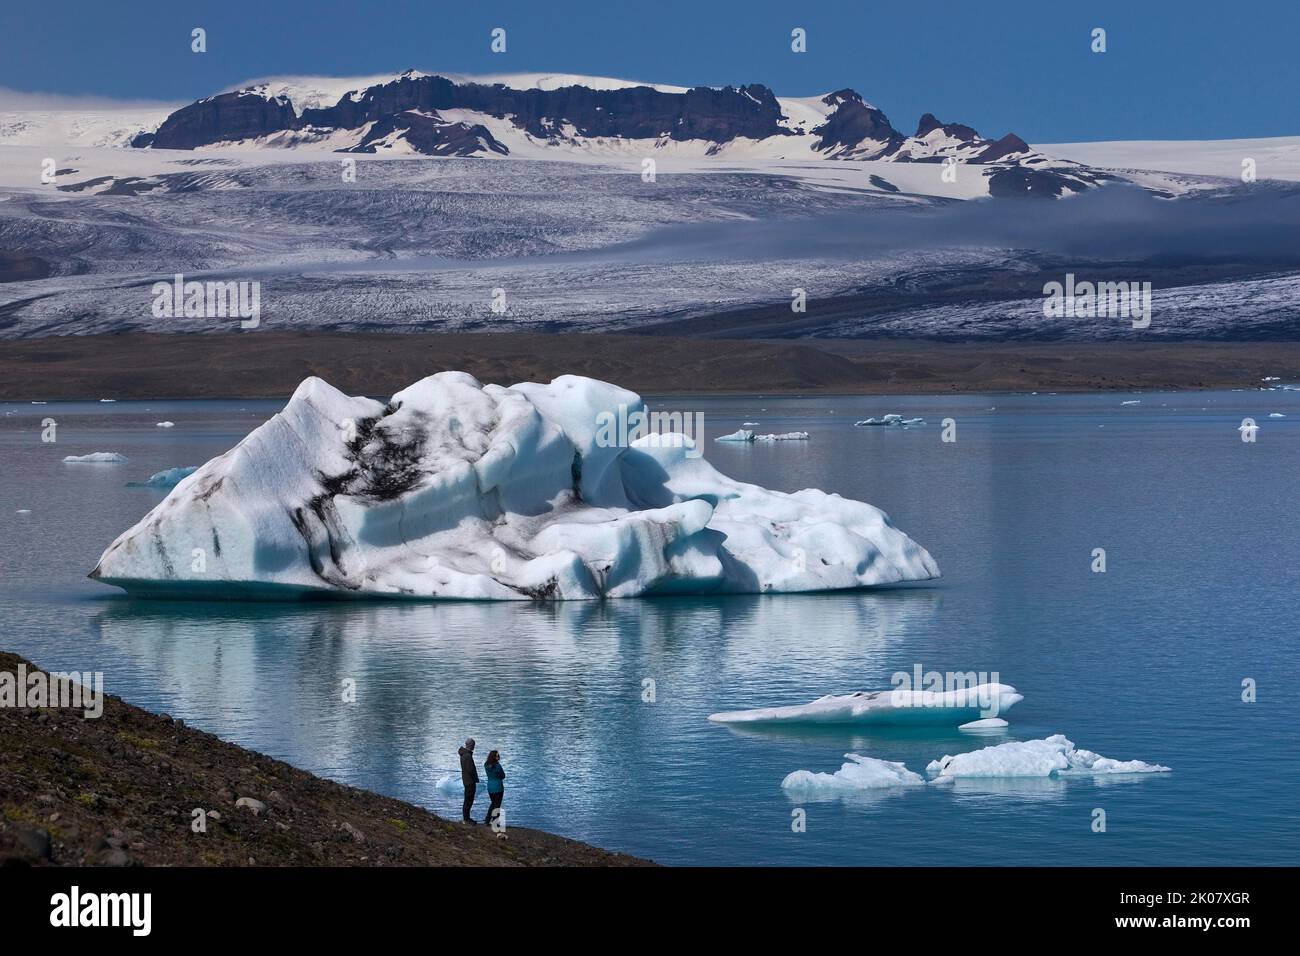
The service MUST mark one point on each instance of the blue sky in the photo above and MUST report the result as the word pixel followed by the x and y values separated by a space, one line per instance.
pixel 1173 70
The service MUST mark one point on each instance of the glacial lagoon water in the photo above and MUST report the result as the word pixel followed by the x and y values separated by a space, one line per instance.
pixel 1146 660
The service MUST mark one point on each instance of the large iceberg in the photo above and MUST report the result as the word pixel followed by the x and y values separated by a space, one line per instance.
pixel 897 707
pixel 454 489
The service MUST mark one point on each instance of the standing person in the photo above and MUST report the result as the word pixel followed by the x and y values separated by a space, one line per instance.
pixel 496 776
pixel 468 776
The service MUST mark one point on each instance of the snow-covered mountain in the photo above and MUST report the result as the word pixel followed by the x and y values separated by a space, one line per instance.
pixel 68 127
pixel 536 116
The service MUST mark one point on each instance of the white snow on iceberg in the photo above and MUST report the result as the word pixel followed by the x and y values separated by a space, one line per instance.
pixel 96 458
pixel 860 773
pixel 1052 756
pixel 453 489
pixel 896 707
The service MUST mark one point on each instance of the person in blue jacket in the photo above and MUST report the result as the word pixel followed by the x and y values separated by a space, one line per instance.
pixel 496 786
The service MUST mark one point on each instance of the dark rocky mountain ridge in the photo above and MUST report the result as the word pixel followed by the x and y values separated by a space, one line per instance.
pixel 408 111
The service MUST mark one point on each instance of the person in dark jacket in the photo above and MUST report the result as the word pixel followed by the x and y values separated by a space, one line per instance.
pixel 496 776
pixel 468 776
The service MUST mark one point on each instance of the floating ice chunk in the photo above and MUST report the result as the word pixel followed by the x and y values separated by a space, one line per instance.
pixel 108 400
pixel 1052 756
pixel 985 723
pixel 23 511
pixel 97 458
pixel 450 783
pixel 787 436
pixel 743 435
pixel 749 424
pixel 1276 415
pixel 891 421
pixel 165 425
pixel 896 707
pixel 167 478
pixel 1132 401
pixel 860 773
pixel 453 489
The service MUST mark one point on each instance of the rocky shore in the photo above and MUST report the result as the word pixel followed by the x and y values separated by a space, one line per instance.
pixel 123 789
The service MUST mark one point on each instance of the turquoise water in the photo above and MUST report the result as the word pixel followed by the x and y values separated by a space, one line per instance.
pixel 1145 661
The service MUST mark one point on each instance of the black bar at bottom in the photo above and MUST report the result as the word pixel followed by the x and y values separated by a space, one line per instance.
pixel 328 905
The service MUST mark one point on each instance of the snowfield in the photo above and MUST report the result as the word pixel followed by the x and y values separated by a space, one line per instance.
pixel 453 489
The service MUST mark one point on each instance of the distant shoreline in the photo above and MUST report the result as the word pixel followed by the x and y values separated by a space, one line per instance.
pixel 270 364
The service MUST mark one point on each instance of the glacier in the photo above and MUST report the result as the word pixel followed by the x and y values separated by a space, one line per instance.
pixel 896 707
pixel 455 489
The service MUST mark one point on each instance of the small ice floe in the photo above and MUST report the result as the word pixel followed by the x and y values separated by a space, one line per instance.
pixel 164 425
pixel 860 773
pixel 743 435
pixel 23 511
pixel 749 424
pixel 1132 401
pixel 450 783
pixel 1276 415
pixel 40 403
pixel 108 399
pixel 1051 756
pixel 787 436
pixel 97 458
pixel 166 479
pixel 898 707
pixel 1271 378
pixel 984 725
pixel 890 421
